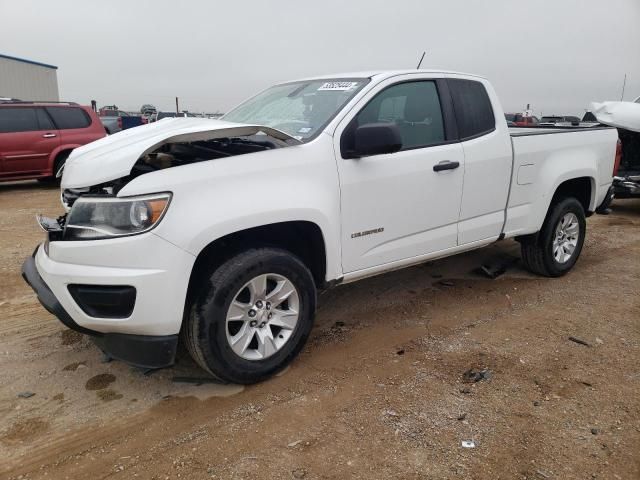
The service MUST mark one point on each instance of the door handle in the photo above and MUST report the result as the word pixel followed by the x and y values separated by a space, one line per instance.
pixel 445 165
pixel 48 135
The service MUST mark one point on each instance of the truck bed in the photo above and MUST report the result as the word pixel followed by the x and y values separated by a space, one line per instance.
pixel 540 164
pixel 526 131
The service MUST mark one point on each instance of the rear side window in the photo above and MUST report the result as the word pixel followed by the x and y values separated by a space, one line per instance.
pixel 69 117
pixel 18 119
pixel 472 106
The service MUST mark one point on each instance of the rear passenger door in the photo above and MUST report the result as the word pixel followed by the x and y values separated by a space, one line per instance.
pixel 487 150
pixel 72 122
pixel 27 139
pixel 397 206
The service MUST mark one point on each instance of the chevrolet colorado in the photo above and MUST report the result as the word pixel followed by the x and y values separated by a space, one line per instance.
pixel 220 232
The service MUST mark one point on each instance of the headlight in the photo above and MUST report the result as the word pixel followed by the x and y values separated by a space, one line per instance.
pixel 92 218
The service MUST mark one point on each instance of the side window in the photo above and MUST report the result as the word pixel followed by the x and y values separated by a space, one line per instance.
pixel 69 117
pixel 18 119
pixel 472 107
pixel 414 107
pixel 44 121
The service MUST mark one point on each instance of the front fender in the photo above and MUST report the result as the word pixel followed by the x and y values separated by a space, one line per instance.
pixel 219 197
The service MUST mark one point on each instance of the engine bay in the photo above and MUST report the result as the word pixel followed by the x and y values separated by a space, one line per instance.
pixel 176 154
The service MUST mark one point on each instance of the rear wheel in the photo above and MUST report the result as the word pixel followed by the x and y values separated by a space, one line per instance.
pixel 253 316
pixel 57 165
pixel 556 248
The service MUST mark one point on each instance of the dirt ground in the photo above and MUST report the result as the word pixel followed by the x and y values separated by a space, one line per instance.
pixel 379 391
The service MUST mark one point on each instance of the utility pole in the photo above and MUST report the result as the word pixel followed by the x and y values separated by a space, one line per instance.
pixel 624 83
pixel 177 107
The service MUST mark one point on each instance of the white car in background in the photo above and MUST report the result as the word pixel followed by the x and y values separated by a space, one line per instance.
pixel 220 232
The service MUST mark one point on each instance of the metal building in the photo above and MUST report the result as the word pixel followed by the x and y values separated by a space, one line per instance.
pixel 27 80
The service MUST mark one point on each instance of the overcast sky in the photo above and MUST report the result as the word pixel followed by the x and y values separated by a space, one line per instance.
pixel 557 55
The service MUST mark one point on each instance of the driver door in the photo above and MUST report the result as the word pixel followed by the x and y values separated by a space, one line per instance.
pixel 397 206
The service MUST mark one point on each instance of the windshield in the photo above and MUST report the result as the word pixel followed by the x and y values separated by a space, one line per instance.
pixel 301 109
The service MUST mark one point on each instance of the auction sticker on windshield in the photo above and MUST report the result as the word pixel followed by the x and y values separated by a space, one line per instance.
pixel 338 86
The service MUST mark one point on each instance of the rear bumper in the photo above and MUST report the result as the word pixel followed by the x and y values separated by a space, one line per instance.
pixel 145 351
pixel 626 187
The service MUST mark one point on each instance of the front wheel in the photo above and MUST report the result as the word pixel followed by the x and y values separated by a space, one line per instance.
pixel 253 317
pixel 556 248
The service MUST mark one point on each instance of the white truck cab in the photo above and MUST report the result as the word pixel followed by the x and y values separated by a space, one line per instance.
pixel 220 232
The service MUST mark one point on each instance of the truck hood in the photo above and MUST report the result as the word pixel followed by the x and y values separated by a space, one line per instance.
pixel 624 115
pixel 114 156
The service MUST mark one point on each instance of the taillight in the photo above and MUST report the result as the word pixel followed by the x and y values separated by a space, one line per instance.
pixel 618 158
pixel 120 123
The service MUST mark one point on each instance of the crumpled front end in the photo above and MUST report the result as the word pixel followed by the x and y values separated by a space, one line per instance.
pixel 114 157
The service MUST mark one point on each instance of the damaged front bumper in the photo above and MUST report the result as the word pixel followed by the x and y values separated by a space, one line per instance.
pixel 127 294
pixel 144 351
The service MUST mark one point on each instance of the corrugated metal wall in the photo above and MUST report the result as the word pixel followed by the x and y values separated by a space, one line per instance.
pixel 27 81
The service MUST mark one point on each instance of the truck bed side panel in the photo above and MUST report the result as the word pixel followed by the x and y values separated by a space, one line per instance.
pixel 542 162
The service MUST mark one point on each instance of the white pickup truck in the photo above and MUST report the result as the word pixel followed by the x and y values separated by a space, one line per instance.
pixel 220 232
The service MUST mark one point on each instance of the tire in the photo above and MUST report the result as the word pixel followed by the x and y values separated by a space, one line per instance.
pixel 57 165
pixel 214 324
pixel 539 253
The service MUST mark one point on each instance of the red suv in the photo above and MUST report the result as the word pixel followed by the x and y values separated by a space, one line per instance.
pixel 37 137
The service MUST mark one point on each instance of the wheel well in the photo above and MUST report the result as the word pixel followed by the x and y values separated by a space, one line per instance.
pixel 578 188
pixel 62 154
pixel 303 239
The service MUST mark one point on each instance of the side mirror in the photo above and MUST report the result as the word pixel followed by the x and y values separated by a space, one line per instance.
pixel 376 139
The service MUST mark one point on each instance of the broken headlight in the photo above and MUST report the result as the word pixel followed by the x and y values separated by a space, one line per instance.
pixel 94 218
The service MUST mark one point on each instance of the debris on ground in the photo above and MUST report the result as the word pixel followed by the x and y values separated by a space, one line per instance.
pixel 299 473
pixel 494 271
pixel 595 431
pixel 491 272
pixel 543 474
pixel 446 283
pixel 294 444
pixel 106 358
pixel 26 394
pixel 468 444
pixel 578 340
pixel 462 416
pixel 474 375
pixel 197 381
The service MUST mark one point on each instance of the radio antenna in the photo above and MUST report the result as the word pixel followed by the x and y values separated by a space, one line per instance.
pixel 420 62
